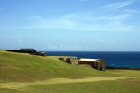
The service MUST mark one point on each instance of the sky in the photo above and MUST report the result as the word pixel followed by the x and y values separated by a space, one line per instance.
pixel 70 25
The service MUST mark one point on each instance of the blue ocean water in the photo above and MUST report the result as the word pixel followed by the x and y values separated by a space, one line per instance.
pixel 112 58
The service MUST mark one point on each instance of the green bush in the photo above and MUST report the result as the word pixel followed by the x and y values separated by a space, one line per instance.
pixel 61 59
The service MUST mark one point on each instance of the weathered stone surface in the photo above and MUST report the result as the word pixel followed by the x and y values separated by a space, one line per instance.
pixel 72 60
pixel 98 64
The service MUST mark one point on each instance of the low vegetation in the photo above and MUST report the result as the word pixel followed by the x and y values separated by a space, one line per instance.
pixel 22 72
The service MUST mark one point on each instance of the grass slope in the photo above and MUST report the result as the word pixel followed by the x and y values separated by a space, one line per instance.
pixel 22 67
pixel 34 73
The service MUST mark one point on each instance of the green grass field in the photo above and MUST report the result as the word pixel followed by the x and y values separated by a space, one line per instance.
pixel 25 73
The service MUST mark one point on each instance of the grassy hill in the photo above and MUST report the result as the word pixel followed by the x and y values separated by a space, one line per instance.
pixel 22 72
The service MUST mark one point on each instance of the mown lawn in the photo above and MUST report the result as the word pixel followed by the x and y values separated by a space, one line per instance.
pixel 16 68
pixel 90 87
pixel 21 67
pixel 115 86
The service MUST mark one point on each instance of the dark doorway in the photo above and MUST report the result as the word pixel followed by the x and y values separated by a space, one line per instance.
pixel 100 68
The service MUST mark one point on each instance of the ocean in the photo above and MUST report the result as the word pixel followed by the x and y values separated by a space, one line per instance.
pixel 113 58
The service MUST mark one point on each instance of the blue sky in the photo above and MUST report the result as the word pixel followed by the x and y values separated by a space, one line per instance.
pixel 70 25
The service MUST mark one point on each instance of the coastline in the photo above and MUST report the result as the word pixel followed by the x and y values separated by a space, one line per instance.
pixel 125 68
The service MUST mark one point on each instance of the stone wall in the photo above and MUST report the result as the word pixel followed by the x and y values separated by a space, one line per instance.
pixel 30 51
pixel 126 68
pixel 72 60
pixel 24 50
pixel 99 64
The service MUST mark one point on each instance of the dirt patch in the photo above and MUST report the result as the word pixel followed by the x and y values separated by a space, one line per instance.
pixel 57 81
